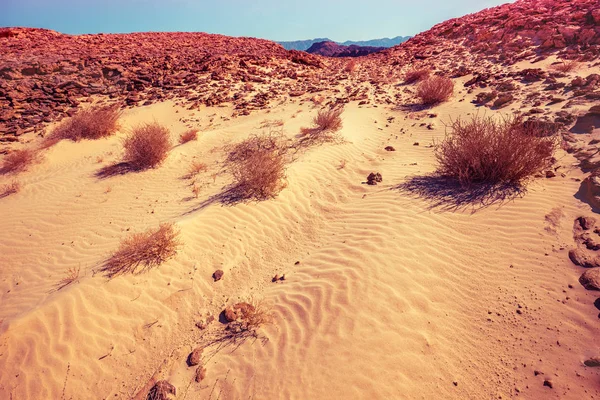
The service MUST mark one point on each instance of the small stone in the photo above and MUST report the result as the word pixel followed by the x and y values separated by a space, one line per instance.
pixel 582 258
pixel 590 279
pixel 275 278
pixel 390 148
pixel 592 362
pixel 550 174
pixel 548 383
pixel 200 374
pixel 218 275
pixel 195 357
pixel 162 390
pixel 374 178
pixel 415 143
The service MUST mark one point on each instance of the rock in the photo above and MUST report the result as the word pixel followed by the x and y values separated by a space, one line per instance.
pixel 162 390
pixel 374 178
pixel 503 100
pixel 238 311
pixel 390 148
pixel 550 174
pixel 218 275
pixel 592 362
pixel 586 223
pixel 581 257
pixel 200 374
pixel 204 324
pixel 548 383
pixel 195 357
pixel 590 279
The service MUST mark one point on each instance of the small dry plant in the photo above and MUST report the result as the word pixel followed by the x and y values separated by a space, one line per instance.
pixel 416 75
pixel 19 161
pixel 566 66
pixel 494 151
pixel 10 188
pixel 147 146
pixel 92 123
pixel 258 166
pixel 326 124
pixel 435 90
pixel 249 317
pixel 350 66
pixel 143 251
pixel 196 167
pixel 72 275
pixel 188 136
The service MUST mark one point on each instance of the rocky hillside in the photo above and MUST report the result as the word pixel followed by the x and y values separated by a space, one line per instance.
pixel 332 49
pixel 304 45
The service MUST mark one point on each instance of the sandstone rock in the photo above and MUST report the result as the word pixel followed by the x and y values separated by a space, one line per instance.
pixel 586 223
pixel 389 148
pixel 503 100
pixel 200 374
pixel 584 259
pixel 590 279
pixel 218 275
pixel 195 357
pixel 162 390
pixel 592 362
pixel 374 178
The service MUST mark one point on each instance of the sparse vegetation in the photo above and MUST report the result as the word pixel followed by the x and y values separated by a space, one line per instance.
pixel 19 161
pixel 258 166
pixel 246 318
pixel 325 125
pixel 143 251
pixel 188 136
pixel 494 151
pixel 92 123
pixel 566 66
pixel 435 90
pixel 72 275
pixel 10 188
pixel 416 75
pixel 147 146
pixel 195 168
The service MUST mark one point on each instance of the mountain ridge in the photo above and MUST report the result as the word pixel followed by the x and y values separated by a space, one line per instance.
pixel 304 45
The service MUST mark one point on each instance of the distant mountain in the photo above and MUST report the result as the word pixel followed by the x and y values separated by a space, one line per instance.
pixel 332 49
pixel 305 44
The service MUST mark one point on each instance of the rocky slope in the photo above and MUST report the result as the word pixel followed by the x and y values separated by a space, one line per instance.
pixel 304 45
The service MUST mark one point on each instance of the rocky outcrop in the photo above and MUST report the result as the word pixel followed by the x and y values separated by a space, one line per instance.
pixel 332 49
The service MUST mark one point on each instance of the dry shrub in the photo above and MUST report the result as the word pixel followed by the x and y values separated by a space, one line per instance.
pixel 188 136
pixel 258 166
pixel 72 275
pixel 10 188
pixel 19 161
pixel 416 75
pixel 566 66
pixel 494 151
pixel 247 318
pixel 142 251
pixel 435 90
pixel 92 123
pixel 195 168
pixel 350 66
pixel 147 146
pixel 325 125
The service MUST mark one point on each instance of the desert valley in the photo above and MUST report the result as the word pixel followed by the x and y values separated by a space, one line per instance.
pixel 197 216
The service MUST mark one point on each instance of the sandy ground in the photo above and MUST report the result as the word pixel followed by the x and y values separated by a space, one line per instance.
pixel 387 294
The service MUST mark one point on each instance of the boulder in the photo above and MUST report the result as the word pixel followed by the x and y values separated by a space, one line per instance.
pixel 590 279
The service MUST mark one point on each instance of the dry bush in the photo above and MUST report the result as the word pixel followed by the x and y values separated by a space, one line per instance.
pixel 188 136
pixel 147 146
pixel 10 188
pixel 350 66
pixel 92 123
pixel 19 161
pixel 71 276
pixel 435 90
pixel 247 318
pixel 566 66
pixel 195 168
pixel 325 125
pixel 494 151
pixel 258 166
pixel 142 251
pixel 416 75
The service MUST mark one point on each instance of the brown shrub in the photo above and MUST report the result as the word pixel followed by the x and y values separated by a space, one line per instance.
pixel 10 188
pixel 325 125
pixel 566 66
pixel 72 275
pixel 435 90
pixel 92 123
pixel 247 318
pixel 492 151
pixel 19 161
pixel 188 136
pixel 143 251
pixel 258 166
pixel 416 75
pixel 147 146
pixel 195 168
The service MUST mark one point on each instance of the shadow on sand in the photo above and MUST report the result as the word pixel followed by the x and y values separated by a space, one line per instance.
pixel 109 171
pixel 448 195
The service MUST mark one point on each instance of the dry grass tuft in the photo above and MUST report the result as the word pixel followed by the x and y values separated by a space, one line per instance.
pixel 258 167
pixel 142 251
pixel 92 123
pixel 566 66
pixel 435 90
pixel 416 75
pixel 491 151
pixel 71 276
pixel 325 126
pixel 19 161
pixel 195 168
pixel 247 318
pixel 188 136
pixel 10 188
pixel 147 146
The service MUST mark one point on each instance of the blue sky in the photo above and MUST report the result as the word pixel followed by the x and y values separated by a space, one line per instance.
pixel 269 19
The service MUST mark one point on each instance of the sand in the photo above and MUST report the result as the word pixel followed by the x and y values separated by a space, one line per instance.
pixel 387 294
